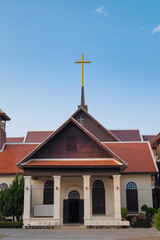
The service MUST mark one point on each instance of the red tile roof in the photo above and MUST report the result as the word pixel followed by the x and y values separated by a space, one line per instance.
pixel 73 163
pixel 127 135
pixel 11 155
pixel 37 136
pixel 148 137
pixel 137 155
pixel 14 139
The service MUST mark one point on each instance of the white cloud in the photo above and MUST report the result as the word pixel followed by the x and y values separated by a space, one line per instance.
pixel 101 11
pixel 157 29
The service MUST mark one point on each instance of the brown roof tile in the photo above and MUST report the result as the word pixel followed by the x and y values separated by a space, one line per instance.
pixel 148 137
pixel 74 163
pixel 37 136
pixel 14 139
pixel 127 135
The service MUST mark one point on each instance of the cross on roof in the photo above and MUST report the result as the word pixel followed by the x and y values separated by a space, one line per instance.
pixel 81 120
pixel 82 67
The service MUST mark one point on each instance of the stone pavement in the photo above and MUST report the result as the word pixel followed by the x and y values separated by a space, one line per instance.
pixel 78 234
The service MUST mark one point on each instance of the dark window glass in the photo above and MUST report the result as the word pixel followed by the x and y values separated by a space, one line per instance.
pixel 48 192
pixel 98 197
pixel 98 184
pixel 132 197
pixel 131 185
pixel 71 143
pixel 73 195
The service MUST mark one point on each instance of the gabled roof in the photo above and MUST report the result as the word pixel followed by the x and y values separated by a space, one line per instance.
pixel 37 136
pixel 14 139
pixel 85 131
pixel 4 116
pixel 155 139
pixel 127 135
pixel 137 155
pixel 94 120
pixel 11 154
pixel 148 137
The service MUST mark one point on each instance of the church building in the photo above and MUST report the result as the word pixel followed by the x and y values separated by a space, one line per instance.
pixel 81 173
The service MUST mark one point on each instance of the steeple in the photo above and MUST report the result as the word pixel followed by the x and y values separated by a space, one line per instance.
pixel 3 119
pixel 82 91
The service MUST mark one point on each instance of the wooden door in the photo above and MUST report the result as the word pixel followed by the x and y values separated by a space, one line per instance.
pixel 132 200
pixel 98 200
pixel 81 211
pixel 65 211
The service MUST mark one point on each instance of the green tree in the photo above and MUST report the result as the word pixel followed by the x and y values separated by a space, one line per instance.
pixel 11 200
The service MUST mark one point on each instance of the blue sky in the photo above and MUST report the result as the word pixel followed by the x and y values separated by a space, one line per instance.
pixel 39 82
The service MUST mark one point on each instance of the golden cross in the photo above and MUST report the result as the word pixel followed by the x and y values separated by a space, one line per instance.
pixel 82 67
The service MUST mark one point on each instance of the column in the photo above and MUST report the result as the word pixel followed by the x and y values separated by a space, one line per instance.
pixel 117 196
pixel 27 197
pixel 86 190
pixel 57 189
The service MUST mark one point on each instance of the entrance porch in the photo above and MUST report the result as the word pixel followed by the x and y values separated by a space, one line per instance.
pixel 86 199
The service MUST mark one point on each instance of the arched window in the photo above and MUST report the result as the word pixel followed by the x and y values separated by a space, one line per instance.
pixel 131 185
pixel 48 192
pixel 132 197
pixel 98 184
pixel 98 197
pixel 73 195
pixel 3 186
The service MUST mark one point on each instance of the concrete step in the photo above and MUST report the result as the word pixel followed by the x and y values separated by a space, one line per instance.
pixel 75 226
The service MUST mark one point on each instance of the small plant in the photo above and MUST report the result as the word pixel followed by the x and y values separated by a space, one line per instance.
pixel 124 213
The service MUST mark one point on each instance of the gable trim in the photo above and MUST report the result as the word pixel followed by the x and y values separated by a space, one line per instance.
pixel 84 130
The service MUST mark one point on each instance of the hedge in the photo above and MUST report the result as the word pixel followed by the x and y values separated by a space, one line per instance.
pixel 11 224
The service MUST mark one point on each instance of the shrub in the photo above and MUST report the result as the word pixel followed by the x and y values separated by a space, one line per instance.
pixel 141 221
pixel 157 220
pixel 144 208
pixel 11 224
pixel 150 213
pixel 124 213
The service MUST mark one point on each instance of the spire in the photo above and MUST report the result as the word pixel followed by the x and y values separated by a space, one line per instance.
pixel 82 91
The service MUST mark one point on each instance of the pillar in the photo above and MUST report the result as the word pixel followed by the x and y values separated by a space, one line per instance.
pixel 56 205
pixel 117 196
pixel 86 189
pixel 27 197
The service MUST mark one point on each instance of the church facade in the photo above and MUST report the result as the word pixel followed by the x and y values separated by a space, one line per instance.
pixel 81 173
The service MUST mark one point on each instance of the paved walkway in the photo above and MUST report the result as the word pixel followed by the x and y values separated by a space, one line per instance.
pixel 78 234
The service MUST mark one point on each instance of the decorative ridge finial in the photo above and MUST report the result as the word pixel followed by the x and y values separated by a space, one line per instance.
pixel 82 91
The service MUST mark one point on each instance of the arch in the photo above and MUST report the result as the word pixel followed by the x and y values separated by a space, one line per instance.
pixel 98 184
pixel 48 192
pixel 131 185
pixel 3 186
pixel 98 197
pixel 72 188
pixel 132 197
pixel 74 195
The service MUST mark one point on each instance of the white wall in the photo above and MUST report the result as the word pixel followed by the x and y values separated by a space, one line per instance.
pixel 144 186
